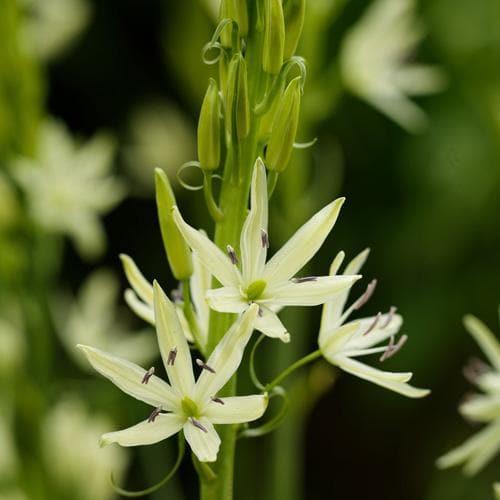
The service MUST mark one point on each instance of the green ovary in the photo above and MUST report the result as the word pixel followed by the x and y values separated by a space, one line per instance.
pixel 189 407
pixel 255 289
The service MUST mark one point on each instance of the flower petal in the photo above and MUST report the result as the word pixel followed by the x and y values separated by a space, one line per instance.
pixel 386 326
pixel 236 409
pixel 205 445
pixel 309 293
pixel 226 299
pixel 210 255
pixel 252 243
pixel 200 282
pixel 137 281
pixel 301 247
pixel 163 426
pixel 226 357
pixel 128 377
pixel 143 310
pixel 269 324
pixel 174 348
pixel 485 339
pixel 481 408
pixel 390 380
pixel 333 342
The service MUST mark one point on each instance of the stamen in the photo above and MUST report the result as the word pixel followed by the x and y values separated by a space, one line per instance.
pixel 392 348
pixel 390 315
pixel 305 279
pixel 148 375
pixel 171 356
pixel 260 312
pixel 177 294
pixel 218 400
pixel 154 414
pixel 197 424
pixel 373 324
pixel 474 369
pixel 203 365
pixel 232 255
pixel 264 238
pixel 365 297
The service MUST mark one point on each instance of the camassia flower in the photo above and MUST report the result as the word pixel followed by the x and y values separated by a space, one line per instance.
pixel 183 404
pixel 479 449
pixel 270 284
pixel 341 342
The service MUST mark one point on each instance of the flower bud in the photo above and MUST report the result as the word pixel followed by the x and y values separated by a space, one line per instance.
pixel 209 129
pixel 178 253
pixel 274 37
pixel 294 12
pixel 237 105
pixel 280 146
pixel 237 11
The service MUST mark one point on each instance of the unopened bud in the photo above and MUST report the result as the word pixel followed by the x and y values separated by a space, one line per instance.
pixel 280 146
pixel 274 37
pixel 178 253
pixel 209 129
pixel 237 105
pixel 237 11
pixel 294 13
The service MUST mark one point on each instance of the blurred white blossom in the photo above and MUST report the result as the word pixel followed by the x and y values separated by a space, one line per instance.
pixel 94 317
pixel 12 348
pixel 72 454
pixel 375 62
pixel 69 186
pixel 52 25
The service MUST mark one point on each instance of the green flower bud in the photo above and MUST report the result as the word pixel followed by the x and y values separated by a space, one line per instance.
pixel 274 37
pixel 209 129
pixel 237 11
pixel 280 146
pixel 237 105
pixel 178 253
pixel 294 12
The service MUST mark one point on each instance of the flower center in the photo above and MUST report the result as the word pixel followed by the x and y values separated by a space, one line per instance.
pixel 189 407
pixel 255 289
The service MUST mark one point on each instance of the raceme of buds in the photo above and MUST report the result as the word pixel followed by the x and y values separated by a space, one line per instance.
pixel 294 12
pixel 237 105
pixel 274 37
pixel 237 11
pixel 178 253
pixel 280 146
pixel 209 129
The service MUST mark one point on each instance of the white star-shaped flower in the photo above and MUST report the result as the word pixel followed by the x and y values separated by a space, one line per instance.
pixel 270 284
pixel 479 449
pixel 340 342
pixel 184 404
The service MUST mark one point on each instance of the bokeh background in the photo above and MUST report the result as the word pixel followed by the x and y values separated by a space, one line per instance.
pixel 426 203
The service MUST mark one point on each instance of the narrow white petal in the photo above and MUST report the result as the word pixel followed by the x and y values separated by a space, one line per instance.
pixel 253 249
pixel 226 357
pixel 309 293
pixel 163 426
pixel 226 299
pixel 128 377
pixel 334 341
pixel 387 326
pixel 268 323
pixel 184 323
pixel 489 382
pixel 236 410
pixel 137 281
pixel 212 257
pixel 143 310
pixel 205 445
pixel 200 282
pixel 389 380
pixel 484 454
pixel 301 247
pixel 357 263
pixel 174 348
pixel 481 408
pixel 485 338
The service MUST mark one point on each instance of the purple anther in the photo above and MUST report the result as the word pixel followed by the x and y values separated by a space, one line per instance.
pixel 177 294
pixel 197 424
pixel 154 414
pixel 232 255
pixel 393 348
pixel 264 238
pixel 148 375
pixel 373 324
pixel 304 279
pixel 366 296
pixel 218 400
pixel 203 365
pixel 474 369
pixel 260 312
pixel 171 357
pixel 390 315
